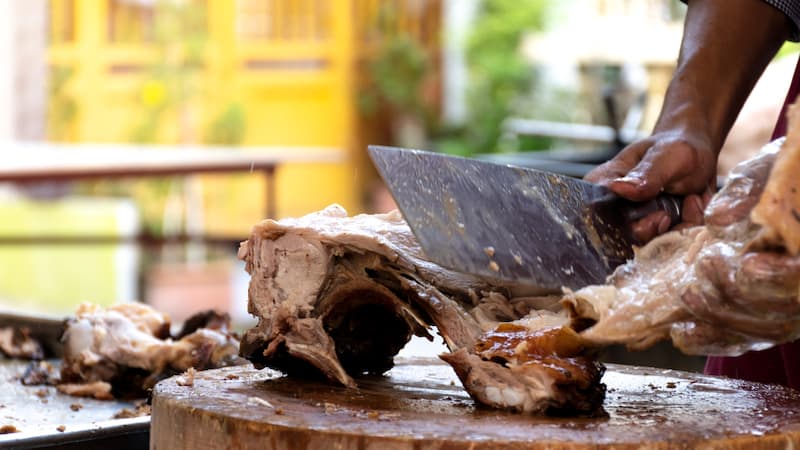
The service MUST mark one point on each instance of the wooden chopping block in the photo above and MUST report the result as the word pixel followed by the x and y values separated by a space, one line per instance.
pixel 421 405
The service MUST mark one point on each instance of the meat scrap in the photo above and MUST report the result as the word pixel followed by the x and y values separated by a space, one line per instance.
pixel 7 429
pixel 39 373
pixel 187 378
pixel 339 296
pixel 17 343
pixel 123 350
pixel 140 408
pixel 99 390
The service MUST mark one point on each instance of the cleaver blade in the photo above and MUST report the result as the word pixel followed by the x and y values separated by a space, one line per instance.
pixel 509 223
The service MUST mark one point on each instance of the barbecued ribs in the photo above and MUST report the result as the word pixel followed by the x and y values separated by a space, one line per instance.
pixel 341 295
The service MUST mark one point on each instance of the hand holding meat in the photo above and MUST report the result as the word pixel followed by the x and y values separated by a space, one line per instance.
pixel 724 288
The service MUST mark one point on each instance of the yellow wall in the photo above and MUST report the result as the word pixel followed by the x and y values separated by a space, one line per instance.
pixel 291 66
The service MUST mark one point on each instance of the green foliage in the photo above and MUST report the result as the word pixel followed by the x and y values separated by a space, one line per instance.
pixel 169 95
pixel 498 74
pixel 788 49
pixel 62 107
pixel 396 72
pixel 228 127
pixel 179 36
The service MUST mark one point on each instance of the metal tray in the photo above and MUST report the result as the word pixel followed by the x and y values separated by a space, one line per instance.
pixel 39 411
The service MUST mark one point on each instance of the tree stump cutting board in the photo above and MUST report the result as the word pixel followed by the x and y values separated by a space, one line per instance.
pixel 421 405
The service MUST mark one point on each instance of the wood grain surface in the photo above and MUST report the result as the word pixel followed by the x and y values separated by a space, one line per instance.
pixel 421 405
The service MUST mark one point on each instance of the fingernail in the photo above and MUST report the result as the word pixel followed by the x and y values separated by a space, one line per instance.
pixel 663 225
pixel 636 181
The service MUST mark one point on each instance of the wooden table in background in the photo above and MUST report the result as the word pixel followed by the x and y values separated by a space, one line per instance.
pixel 35 162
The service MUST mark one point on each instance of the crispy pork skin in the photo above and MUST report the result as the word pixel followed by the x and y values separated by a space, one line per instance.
pixel 537 364
pixel 339 296
pixel 125 349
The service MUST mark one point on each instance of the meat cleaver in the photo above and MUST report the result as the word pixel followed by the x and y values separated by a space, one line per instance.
pixel 509 223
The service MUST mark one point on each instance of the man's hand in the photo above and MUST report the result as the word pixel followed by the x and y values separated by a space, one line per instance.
pixel 663 162
pixel 726 46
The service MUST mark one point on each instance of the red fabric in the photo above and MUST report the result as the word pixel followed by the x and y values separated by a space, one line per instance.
pixel 781 364
pixel 794 89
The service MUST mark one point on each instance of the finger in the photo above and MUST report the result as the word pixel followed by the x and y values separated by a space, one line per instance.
pixel 711 306
pixel 759 284
pixel 619 166
pixel 701 338
pixel 692 211
pixel 709 194
pixel 765 276
pixel 650 226
pixel 674 166
pixel 734 201
pixel 716 311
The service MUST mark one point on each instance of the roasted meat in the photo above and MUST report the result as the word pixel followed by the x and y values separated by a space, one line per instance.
pixel 123 350
pixel 537 364
pixel 18 343
pixel 340 296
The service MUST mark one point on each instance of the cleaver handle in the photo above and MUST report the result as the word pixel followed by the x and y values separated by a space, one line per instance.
pixel 670 204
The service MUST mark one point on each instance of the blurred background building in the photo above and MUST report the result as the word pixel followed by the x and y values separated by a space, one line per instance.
pixel 528 81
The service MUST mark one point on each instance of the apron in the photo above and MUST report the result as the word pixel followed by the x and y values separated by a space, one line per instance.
pixel 777 365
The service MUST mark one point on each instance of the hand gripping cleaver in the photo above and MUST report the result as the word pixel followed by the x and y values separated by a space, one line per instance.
pixel 510 223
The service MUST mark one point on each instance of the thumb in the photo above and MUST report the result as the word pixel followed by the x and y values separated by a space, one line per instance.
pixel 672 167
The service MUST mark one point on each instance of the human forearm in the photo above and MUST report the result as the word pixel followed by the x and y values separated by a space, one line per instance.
pixel 726 45
pixel 725 48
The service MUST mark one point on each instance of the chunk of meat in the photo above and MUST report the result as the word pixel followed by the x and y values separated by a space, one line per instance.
pixel 340 296
pixel 18 343
pixel 549 368
pixel 128 347
pixel 778 209
pixel 344 294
